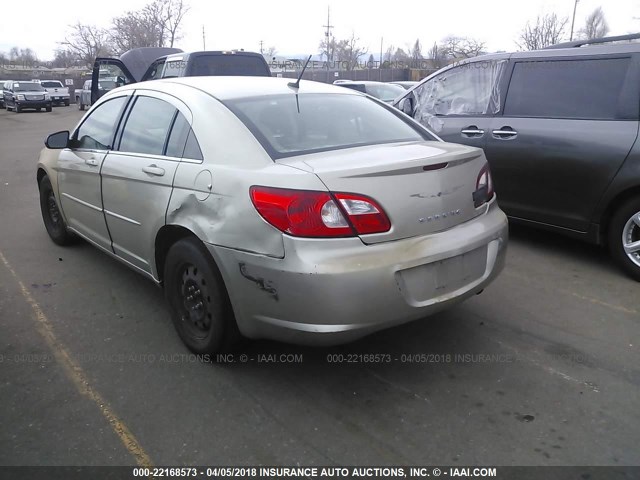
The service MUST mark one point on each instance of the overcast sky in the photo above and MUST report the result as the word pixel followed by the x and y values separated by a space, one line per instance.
pixel 296 26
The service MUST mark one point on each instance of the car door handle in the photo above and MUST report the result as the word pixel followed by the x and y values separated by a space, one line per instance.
pixel 472 131
pixel 505 133
pixel 91 161
pixel 153 170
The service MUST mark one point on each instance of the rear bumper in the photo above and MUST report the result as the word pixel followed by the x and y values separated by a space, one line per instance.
pixel 329 292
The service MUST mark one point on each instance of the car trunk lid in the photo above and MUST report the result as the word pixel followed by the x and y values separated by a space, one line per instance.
pixel 423 187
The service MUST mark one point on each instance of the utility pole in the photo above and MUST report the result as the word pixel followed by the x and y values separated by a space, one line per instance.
pixel 327 37
pixel 204 43
pixel 261 43
pixel 380 64
pixel 575 7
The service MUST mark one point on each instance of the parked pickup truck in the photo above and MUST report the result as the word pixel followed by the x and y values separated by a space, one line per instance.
pixel 83 96
pixel 58 92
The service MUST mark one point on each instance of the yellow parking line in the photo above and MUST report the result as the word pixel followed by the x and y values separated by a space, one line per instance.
pixel 77 375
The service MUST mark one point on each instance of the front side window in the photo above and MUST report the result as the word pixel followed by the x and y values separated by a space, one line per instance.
pixel 98 130
pixel 471 89
pixel 288 125
pixel 147 126
pixel 573 89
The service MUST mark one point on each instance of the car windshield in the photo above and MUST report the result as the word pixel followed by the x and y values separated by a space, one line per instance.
pixel 384 91
pixel 288 125
pixel 51 84
pixel 27 87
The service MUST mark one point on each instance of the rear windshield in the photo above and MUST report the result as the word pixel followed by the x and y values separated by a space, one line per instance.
pixel 288 125
pixel 27 87
pixel 225 65
pixel 51 84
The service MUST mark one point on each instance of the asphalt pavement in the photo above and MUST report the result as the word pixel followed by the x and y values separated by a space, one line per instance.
pixel 540 369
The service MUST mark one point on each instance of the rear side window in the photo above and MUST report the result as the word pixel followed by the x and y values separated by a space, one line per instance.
pixel 574 89
pixel 182 141
pixel 147 126
pixel 98 130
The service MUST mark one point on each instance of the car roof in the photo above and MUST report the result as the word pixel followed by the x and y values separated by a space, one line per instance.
pixel 227 87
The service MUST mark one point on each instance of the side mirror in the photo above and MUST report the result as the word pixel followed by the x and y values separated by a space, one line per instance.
pixel 58 140
pixel 406 105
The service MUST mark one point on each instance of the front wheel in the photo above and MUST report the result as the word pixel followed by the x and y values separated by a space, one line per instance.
pixel 199 303
pixel 53 221
pixel 66 103
pixel 624 237
pixel 48 108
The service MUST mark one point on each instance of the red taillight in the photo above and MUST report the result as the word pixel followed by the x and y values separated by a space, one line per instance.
pixel 484 187
pixel 365 214
pixel 307 213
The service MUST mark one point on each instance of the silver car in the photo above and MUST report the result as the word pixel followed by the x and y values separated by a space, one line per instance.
pixel 304 213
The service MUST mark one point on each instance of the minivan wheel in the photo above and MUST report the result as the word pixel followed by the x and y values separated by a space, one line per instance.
pixel 53 221
pixel 199 303
pixel 624 237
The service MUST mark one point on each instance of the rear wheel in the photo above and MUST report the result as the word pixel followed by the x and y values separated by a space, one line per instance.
pixel 80 106
pixel 53 221
pixel 66 103
pixel 624 237
pixel 199 303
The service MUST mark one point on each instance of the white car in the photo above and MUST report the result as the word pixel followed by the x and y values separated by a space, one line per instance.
pixel 295 211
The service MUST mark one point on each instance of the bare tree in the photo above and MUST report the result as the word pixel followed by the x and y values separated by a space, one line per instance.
pixel 173 12
pixel 65 58
pixel 436 56
pixel 87 42
pixel 349 52
pixel 547 30
pixel 596 25
pixel 328 48
pixel 415 52
pixel 401 56
pixel 455 47
pixel 157 24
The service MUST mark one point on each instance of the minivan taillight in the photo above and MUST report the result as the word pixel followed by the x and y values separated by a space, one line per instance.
pixel 484 187
pixel 316 214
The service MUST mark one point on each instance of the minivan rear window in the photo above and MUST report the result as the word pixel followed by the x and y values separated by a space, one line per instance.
pixel 573 89
pixel 288 125
pixel 228 65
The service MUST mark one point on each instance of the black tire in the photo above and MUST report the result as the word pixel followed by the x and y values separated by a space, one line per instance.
pixel 623 230
pixel 81 106
pixel 38 109
pixel 66 103
pixel 49 108
pixel 198 300
pixel 53 221
pixel 17 108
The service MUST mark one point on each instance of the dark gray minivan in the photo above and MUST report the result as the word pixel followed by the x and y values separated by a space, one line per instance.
pixel 559 127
